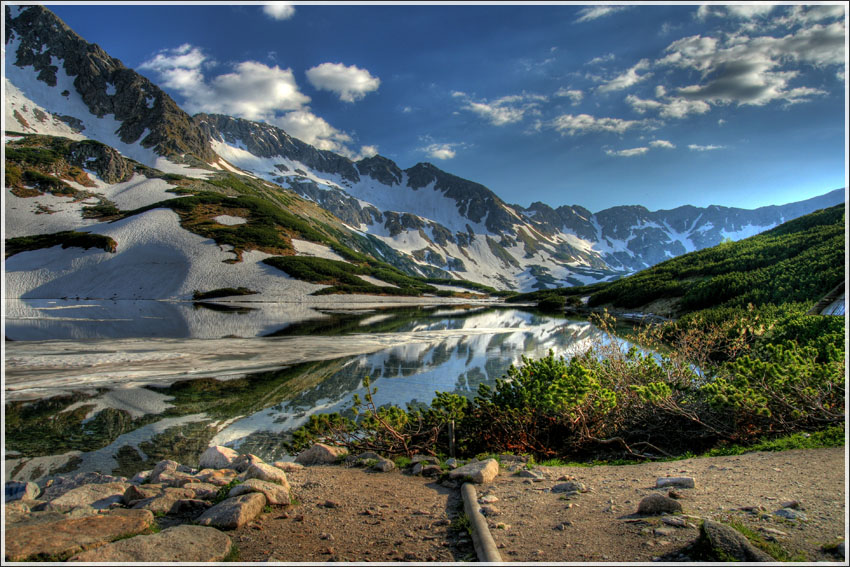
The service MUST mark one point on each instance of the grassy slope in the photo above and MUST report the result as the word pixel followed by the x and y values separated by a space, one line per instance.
pixel 797 262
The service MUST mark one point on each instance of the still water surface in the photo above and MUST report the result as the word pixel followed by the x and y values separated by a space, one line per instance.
pixel 106 397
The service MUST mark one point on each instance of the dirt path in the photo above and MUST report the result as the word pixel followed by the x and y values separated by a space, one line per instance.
pixel 353 515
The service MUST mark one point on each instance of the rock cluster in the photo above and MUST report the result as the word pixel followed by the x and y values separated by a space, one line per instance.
pixel 93 517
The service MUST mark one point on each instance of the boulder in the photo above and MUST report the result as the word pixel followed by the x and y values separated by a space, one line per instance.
pixel 431 470
pixel 203 490
pixel 479 472
pixel 172 501
pixel 185 543
pixel 58 486
pixel 15 490
pixel 233 513
pixel 383 465
pixel 656 504
pixel 425 459
pixel 98 496
pixel 134 493
pixel 163 467
pixel 274 493
pixel 728 544
pixel 321 454
pixel 570 486
pixel 676 482
pixel 244 462
pixel 268 473
pixel 217 457
pixel 140 477
pixel 174 478
pixel 216 477
pixel 287 466
pixel 67 536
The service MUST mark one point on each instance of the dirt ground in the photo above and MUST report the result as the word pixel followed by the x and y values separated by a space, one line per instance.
pixel 348 514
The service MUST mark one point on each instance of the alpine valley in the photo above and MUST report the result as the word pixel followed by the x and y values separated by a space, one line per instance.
pixel 112 191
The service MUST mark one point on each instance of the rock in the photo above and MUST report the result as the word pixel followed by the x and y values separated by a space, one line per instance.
pixel 135 493
pixel 321 454
pixel 791 514
pixel 572 486
pixel 217 457
pixel 425 460
pixel 183 543
pixel 274 493
pixel 728 544
pixel 202 490
pixel 656 504
pixel 244 462
pixel 773 531
pixel 170 501
pixel 233 513
pixel 58 486
pixel 359 460
pixel 163 467
pixel 173 478
pixel 16 511
pixel 268 473
pixel 15 490
pixel 795 504
pixel 675 521
pixel 431 470
pixel 678 482
pixel 141 476
pixel 490 511
pixel 452 463
pixel 841 550
pixel 98 496
pixel 287 466
pixel 664 531
pixel 534 475
pixel 383 465
pixel 215 477
pixel 488 499
pixel 479 472
pixel 73 535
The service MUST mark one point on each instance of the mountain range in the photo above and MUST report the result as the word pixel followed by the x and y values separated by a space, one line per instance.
pixel 129 147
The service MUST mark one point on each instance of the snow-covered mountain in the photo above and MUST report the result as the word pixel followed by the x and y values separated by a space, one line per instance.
pixel 421 219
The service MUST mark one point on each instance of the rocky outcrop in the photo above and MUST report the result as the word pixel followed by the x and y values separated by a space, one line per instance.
pixel 106 86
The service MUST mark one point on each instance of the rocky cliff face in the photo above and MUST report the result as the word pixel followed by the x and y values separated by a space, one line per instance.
pixel 41 39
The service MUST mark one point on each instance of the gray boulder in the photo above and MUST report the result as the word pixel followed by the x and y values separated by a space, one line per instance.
pixel 274 493
pixel 479 472
pixel 185 543
pixel 656 504
pixel 217 457
pixel 321 454
pixel 268 473
pixel 98 496
pixel 728 544
pixel 571 486
pixel 233 513
pixel 676 482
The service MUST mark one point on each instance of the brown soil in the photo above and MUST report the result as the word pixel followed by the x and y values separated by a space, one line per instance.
pixel 396 517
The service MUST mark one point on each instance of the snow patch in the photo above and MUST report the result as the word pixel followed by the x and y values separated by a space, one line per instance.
pixel 230 220
pixel 110 89
pixel 307 248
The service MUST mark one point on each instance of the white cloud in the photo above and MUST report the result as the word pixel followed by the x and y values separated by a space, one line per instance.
pixel 628 153
pixel 279 10
pixel 708 148
pixel 669 107
pixel 577 124
pixel 253 90
pixel 314 130
pixel 505 110
pixel 367 151
pixel 642 105
pixel 662 144
pixel 588 14
pixel 601 59
pixel 574 95
pixel 350 83
pixel 628 78
pixel 440 151
pixel 741 11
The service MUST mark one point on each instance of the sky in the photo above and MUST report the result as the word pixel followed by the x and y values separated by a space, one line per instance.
pixel 564 103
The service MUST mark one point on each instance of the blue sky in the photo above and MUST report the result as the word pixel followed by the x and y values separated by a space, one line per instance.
pixel 567 104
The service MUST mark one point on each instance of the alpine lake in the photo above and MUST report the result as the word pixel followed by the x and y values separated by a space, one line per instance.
pixel 116 386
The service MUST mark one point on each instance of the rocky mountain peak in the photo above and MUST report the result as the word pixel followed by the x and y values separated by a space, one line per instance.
pixel 381 169
pixel 105 85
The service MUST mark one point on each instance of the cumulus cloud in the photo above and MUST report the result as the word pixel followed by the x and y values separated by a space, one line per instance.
pixel 628 78
pixel 504 110
pixel 592 13
pixel 662 144
pixel 708 148
pixel 574 95
pixel 350 83
pixel 279 10
pixel 251 90
pixel 573 124
pixel 628 153
pixel 741 11
pixel 668 107
pixel 753 71
pixel 440 151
